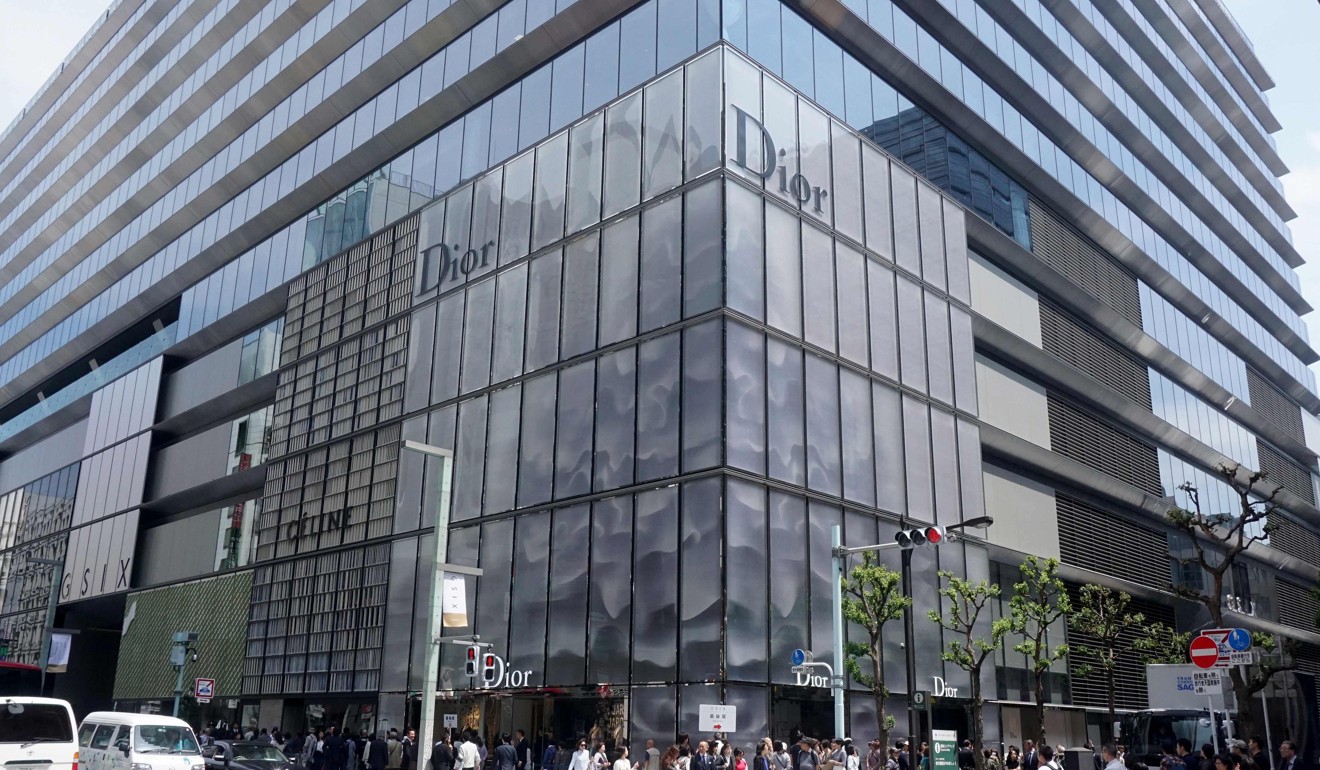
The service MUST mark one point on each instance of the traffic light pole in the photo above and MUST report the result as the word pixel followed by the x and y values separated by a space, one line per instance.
pixel 910 658
pixel 839 556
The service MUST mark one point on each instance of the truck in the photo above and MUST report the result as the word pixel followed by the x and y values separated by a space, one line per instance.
pixel 1176 711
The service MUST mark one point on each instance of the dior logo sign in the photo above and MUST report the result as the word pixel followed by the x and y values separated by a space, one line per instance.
pixel 443 263
pixel 755 151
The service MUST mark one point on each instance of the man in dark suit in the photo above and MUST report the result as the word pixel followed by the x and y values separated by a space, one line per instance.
pixel 335 752
pixel 378 753
pixel 1030 759
pixel 966 757
pixel 703 760
pixel 1291 759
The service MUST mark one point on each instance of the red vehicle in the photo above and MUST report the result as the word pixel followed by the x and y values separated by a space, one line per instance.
pixel 19 679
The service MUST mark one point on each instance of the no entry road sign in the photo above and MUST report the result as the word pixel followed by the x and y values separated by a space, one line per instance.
pixel 1204 652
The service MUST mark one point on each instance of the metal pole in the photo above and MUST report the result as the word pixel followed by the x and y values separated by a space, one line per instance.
pixel 178 689
pixel 1265 715
pixel 1214 729
pixel 56 577
pixel 909 650
pixel 836 542
pixel 426 730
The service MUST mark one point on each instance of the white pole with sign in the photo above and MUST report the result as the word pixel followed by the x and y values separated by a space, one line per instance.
pixel 435 604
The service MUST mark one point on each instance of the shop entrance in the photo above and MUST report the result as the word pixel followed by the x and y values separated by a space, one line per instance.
pixel 808 709
pixel 543 717
pixel 947 714
pixel 348 716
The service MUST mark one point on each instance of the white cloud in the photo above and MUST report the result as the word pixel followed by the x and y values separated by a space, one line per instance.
pixel 1302 187
pixel 34 38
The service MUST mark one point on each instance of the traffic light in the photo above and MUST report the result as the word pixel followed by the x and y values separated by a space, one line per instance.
pixel 911 538
pixel 488 668
pixel 473 656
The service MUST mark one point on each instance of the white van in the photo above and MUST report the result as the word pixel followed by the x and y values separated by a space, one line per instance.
pixel 109 740
pixel 37 734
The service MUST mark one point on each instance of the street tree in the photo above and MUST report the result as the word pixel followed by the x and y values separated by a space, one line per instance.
pixel 1159 643
pixel 1218 540
pixel 872 596
pixel 968 649
pixel 1039 600
pixel 1102 617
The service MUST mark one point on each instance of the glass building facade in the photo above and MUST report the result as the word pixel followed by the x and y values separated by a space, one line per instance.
pixel 682 284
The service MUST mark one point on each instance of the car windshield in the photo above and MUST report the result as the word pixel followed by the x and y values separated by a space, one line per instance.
pixel 35 723
pixel 254 752
pixel 149 739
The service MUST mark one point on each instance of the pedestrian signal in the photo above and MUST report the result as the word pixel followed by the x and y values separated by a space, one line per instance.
pixel 473 656
pixel 488 672
pixel 911 538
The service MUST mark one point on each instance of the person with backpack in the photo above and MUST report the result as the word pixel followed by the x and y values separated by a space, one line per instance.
pixel 393 751
pixel 1047 758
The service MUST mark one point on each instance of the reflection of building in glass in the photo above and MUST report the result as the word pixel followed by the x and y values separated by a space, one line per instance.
pixel 930 149
pixel 683 284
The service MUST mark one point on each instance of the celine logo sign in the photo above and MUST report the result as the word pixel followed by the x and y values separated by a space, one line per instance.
pixel 756 152
pixel 443 263
pixel 315 525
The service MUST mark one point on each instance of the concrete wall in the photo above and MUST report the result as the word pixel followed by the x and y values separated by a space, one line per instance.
pixel 177 550
pixel 1004 300
pixel 1012 402
pixel 195 460
pixel 1024 513
pixel 49 454
pixel 202 380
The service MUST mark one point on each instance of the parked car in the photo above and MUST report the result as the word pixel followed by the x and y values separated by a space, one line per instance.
pixel 245 755
pixel 37 733
pixel 109 740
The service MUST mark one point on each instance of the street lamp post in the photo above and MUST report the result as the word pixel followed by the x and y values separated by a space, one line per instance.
pixel 839 558
pixel 56 577
pixel 435 603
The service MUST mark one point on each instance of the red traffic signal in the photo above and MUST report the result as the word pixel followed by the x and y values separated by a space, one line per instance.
pixel 470 666
pixel 911 538
pixel 488 674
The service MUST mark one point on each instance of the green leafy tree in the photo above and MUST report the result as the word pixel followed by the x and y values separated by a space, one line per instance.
pixel 1039 600
pixel 1218 540
pixel 872 596
pixel 964 602
pixel 1102 616
pixel 1159 643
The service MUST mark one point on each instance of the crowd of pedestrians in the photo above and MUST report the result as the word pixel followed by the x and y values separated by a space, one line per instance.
pixel 327 749
pixel 467 750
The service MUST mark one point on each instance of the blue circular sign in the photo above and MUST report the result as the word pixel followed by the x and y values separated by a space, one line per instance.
pixel 799 657
pixel 1239 640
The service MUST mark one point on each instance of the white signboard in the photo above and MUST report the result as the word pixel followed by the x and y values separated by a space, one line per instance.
pixel 717 718
pixel 451 720
pixel 1208 682
pixel 58 662
pixel 454 601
